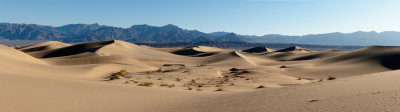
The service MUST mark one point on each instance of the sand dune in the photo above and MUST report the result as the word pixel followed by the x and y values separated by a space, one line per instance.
pixel 105 76
pixel 260 49
pixel 10 55
pixel 195 51
pixel 43 46
pixel 372 92
pixel 374 55
pixel 295 49
pixel 317 55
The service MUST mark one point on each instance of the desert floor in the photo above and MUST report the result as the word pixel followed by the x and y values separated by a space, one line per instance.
pixel 117 76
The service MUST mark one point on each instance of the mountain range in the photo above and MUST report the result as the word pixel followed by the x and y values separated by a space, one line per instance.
pixel 73 33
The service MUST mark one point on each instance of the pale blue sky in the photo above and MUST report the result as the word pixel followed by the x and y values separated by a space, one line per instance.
pixel 251 17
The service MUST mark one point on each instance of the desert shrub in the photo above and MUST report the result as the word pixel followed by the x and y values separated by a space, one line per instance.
pixel 226 79
pixel 233 69
pixel 232 84
pixel 171 85
pixel 149 72
pixel 180 64
pixel 186 71
pixel 200 65
pixel 221 81
pixel 168 85
pixel 245 71
pixel 166 70
pixel 167 65
pixel 115 76
pixel 164 85
pixel 261 86
pixel 283 66
pixel 189 88
pixel 159 70
pixel 118 75
pixel 331 78
pixel 123 72
pixel 178 79
pixel 219 89
pixel 200 85
pixel 299 78
pixel 174 65
pixel 147 84
pixel 236 71
pixel 313 100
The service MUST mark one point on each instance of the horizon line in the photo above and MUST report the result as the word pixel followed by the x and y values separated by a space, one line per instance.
pixel 203 31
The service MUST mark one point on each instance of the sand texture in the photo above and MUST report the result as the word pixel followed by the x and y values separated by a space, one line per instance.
pixel 117 76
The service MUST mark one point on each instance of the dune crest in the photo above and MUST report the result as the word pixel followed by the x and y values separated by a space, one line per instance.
pixel 295 49
pixel 196 51
pixel 44 46
pixel 9 55
pixel 260 49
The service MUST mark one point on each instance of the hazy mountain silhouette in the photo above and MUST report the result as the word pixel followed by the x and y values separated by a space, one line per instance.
pixel 390 38
pixel 95 32
pixel 172 33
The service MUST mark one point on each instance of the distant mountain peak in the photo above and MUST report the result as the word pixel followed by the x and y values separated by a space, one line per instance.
pixel 140 26
pixel 171 27
pixel 220 33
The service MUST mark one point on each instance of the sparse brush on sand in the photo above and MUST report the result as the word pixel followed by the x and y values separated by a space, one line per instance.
pixel 147 84
pixel 331 78
pixel 118 75
pixel 219 89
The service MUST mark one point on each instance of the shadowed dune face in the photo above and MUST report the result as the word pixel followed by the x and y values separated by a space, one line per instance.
pixel 36 49
pixel 391 61
pixel 197 51
pixel 294 49
pixel 187 52
pixel 77 49
pixel 206 54
pixel 376 55
pixel 309 57
pixel 259 49
pixel 193 53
